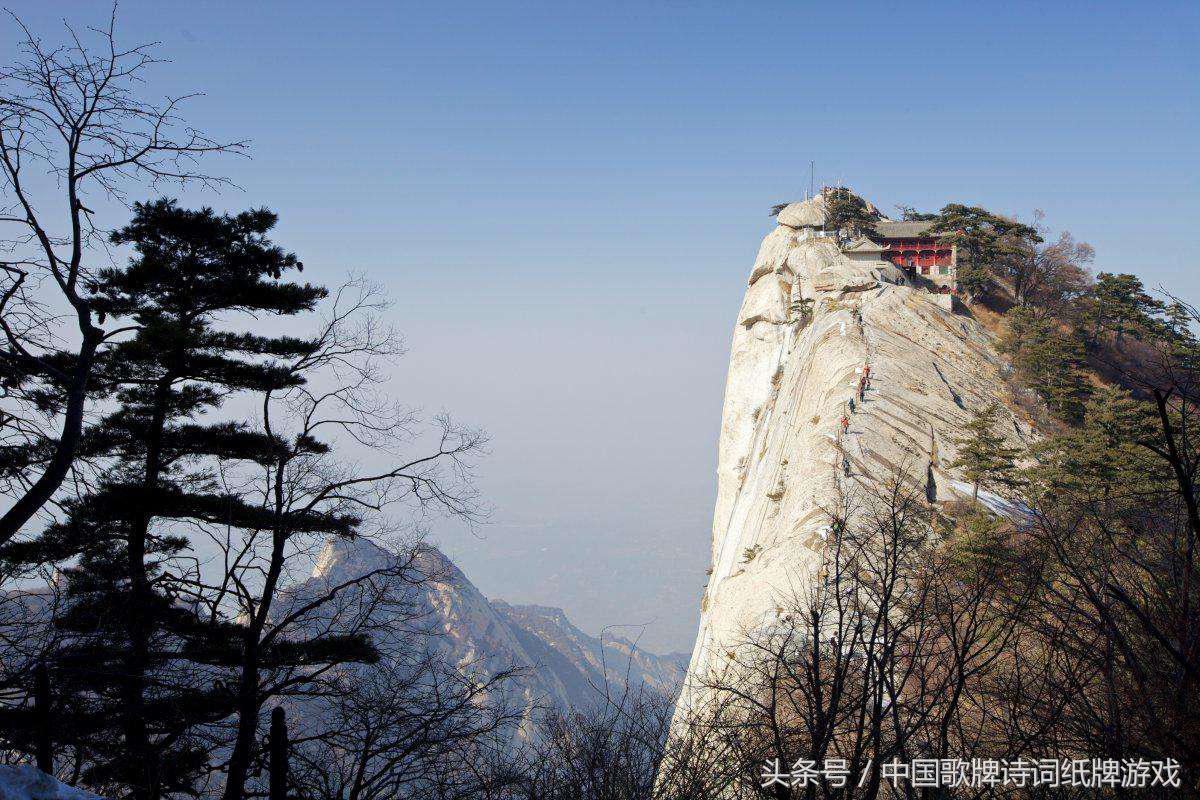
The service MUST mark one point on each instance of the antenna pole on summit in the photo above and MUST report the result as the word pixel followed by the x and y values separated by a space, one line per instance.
pixel 812 177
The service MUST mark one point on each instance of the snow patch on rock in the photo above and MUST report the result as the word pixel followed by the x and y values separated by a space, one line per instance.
pixel 27 782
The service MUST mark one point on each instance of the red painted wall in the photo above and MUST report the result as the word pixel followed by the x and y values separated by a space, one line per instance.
pixel 921 252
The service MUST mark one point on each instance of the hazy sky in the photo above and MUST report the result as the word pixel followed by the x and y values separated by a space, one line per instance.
pixel 564 201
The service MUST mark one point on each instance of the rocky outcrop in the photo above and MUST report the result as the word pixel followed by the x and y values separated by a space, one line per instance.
pixel 811 321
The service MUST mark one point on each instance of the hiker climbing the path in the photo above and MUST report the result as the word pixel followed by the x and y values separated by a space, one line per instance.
pixel 846 466
pixel 850 403
pixel 862 387
pixel 845 423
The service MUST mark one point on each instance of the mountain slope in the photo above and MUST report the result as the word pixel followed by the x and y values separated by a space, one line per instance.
pixel 550 638
pixel 564 668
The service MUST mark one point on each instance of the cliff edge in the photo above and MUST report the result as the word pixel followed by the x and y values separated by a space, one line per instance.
pixel 814 323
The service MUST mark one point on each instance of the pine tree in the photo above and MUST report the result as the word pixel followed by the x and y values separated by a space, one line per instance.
pixel 846 211
pixel 1120 304
pixel 910 214
pixel 979 542
pixel 1050 357
pixel 984 240
pixel 144 661
pixel 1177 322
pixel 984 458
pixel 1101 459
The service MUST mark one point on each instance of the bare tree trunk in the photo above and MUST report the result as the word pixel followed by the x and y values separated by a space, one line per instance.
pixel 279 755
pixel 143 761
pixel 247 723
pixel 75 111
pixel 248 694
pixel 64 450
pixel 290 497
pixel 41 705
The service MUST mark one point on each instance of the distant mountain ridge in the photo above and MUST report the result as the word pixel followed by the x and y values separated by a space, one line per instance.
pixel 551 639
pixel 563 667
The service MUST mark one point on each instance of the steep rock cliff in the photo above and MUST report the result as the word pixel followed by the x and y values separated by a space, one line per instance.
pixel 811 321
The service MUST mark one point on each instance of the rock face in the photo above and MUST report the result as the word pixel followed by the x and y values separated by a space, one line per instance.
pixel 812 319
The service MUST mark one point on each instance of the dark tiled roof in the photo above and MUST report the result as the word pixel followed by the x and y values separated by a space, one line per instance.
pixel 864 245
pixel 901 229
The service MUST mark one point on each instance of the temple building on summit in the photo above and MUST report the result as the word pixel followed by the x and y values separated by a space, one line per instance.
pixel 908 245
pixel 926 258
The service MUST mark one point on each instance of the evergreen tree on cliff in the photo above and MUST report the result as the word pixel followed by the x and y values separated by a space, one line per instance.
pixel 984 458
pixel 910 214
pixel 1103 459
pixel 985 240
pixel 1050 357
pixel 144 658
pixel 846 211
pixel 1119 304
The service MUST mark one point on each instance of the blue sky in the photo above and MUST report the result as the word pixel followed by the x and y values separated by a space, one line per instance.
pixel 564 200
